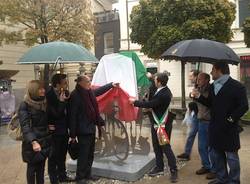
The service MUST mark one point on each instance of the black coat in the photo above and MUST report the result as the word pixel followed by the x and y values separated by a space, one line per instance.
pixel 231 101
pixel 79 122
pixel 34 126
pixel 57 113
pixel 159 103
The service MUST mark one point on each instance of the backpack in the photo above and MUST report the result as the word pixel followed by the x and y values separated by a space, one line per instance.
pixel 14 128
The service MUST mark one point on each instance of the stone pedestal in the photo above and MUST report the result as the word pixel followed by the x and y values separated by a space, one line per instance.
pixel 131 169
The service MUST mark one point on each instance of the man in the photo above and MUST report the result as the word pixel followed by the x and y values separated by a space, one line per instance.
pixel 159 104
pixel 203 117
pixel 228 102
pixel 194 123
pixel 84 117
pixel 57 98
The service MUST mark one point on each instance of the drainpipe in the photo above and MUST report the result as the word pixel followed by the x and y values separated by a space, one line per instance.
pixel 127 25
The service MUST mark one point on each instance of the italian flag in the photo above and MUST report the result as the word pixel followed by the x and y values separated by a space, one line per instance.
pixel 126 69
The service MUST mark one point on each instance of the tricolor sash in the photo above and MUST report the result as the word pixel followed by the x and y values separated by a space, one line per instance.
pixel 159 126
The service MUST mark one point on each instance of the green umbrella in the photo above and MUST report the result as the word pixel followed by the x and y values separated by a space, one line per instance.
pixel 58 51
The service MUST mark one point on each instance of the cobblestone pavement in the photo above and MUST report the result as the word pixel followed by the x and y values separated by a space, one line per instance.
pixel 12 169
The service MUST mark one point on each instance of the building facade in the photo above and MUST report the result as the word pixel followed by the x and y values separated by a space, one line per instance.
pixel 112 35
pixel 107 36
pixel 237 44
pixel 10 53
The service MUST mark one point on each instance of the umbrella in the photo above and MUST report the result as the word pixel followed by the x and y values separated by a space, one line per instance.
pixel 58 51
pixel 201 50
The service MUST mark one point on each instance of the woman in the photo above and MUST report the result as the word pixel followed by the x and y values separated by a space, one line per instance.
pixel 34 126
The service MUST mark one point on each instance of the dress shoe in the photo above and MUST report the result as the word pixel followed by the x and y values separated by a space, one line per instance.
pixel 156 171
pixel 210 176
pixel 202 170
pixel 173 176
pixel 183 156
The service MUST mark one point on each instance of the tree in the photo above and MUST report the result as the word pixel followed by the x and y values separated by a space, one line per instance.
pixel 42 21
pixel 158 24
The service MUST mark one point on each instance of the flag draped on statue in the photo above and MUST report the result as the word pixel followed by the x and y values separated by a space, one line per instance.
pixel 126 69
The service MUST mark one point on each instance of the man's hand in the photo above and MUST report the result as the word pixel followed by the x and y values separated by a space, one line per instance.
pixel 195 93
pixel 63 97
pixel 115 84
pixel 131 101
pixel 36 146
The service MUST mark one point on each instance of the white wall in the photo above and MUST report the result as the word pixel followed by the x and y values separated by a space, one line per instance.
pixel 10 54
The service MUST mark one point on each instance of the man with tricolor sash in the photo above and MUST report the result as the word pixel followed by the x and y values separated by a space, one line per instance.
pixel 161 125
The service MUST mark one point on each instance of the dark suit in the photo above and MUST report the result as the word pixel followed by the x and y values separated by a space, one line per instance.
pixel 230 101
pixel 58 116
pixel 159 103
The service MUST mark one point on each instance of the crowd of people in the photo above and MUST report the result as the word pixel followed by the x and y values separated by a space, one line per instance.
pixel 44 118
pixel 214 114
pixel 53 118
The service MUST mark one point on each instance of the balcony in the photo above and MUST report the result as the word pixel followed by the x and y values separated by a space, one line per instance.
pixel 107 16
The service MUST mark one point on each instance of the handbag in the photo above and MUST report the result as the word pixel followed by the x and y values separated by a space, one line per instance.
pixel 14 128
pixel 73 149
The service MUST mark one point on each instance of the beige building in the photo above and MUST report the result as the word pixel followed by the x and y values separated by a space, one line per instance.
pixel 9 55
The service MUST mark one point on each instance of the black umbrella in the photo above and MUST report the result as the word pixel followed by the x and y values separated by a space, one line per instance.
pixel 201 50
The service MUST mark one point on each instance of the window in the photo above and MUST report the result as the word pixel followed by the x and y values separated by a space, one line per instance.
pixel 108 43
pixel 244 10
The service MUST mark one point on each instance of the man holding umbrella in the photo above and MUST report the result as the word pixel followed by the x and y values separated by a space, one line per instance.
pixel 228 102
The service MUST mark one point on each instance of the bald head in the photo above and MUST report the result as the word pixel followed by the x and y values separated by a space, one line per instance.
pixel 81 78
pixel 203 79
pixel 193 74
pixel 84 81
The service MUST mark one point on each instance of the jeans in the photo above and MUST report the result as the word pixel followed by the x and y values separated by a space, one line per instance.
pixel 191 135
pixel 212 159
pixel 230 159
pixel 203 144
